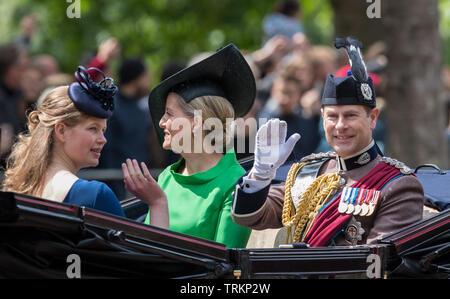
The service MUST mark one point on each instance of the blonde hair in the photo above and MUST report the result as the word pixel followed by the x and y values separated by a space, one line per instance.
pixel 211 107
pixel 30 156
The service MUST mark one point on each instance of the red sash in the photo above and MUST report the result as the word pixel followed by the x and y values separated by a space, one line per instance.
pixel 329 221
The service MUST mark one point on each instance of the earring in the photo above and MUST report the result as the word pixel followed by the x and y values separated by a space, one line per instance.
pixel 194 132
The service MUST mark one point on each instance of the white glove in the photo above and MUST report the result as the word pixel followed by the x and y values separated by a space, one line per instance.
pixel 271 149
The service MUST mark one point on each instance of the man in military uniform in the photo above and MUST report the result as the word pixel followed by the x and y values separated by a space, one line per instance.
pixel 352 196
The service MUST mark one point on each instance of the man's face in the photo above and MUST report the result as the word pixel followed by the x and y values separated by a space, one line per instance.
pixel 287 95
pixel 348 128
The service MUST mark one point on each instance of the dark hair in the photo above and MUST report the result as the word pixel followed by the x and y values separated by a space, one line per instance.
pixel 287 7
pixel 368 109
pixel 172 67
pixel 131 69
pixel 9 55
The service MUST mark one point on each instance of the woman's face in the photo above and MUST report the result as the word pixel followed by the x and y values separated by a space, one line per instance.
pixel 84 142
pixel 176 125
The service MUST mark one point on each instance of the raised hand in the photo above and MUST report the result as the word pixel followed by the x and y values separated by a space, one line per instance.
pixel 142 185
pixel 272 149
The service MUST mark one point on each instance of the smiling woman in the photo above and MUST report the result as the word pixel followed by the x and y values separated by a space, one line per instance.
pixel 190 111
pixel 81 143
pixel 66 133
pixel 32 156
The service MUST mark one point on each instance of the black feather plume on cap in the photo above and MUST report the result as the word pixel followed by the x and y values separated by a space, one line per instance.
pixel 352 46
pixel 354 89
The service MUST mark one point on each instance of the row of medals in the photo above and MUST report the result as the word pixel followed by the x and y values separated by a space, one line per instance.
pixel 358 201
pixel 361 204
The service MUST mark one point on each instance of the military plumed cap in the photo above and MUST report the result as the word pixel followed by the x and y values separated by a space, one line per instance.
pixel 355 89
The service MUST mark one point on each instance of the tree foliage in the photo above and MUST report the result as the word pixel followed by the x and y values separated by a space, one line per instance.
pixel 162 29
pixel 156 29
pixel 444 26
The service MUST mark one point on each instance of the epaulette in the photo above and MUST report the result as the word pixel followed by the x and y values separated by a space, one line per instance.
pixel 318 156
pixel 397 164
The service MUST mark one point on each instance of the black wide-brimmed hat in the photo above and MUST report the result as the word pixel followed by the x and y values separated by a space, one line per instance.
pixel 355 89
pixel 226 73
pixel 93 98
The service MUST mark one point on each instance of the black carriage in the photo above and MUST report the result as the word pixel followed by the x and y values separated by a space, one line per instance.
pixel 44 239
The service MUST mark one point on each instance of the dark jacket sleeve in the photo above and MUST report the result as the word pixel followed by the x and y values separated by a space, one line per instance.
pixel 259 210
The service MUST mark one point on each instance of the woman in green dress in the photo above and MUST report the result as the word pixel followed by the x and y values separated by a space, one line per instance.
pixel 192 111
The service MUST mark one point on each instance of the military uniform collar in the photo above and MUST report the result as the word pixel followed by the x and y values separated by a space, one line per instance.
pixel 369 153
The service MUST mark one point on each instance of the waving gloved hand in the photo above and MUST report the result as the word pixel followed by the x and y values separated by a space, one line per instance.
pixel 272 149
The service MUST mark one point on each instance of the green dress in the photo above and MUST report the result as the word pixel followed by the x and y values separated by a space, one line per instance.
pixel 200 204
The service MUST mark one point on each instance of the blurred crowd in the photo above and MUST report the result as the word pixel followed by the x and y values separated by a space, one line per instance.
pixel 290 73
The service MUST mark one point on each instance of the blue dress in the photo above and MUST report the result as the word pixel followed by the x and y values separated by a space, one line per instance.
pixel 95 195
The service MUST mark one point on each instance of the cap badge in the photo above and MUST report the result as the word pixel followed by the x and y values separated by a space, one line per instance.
pixel 366 91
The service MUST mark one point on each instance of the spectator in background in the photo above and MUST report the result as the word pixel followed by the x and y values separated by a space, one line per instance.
pixel 46 64
pixel 53 81
pixel 51 75
pixel 13 63
pixel 284 104
pixel 301 67
pixel 268 57
pixel 32 86
pixel 284 21
pixel 267 60
pixel 277 54
pixel 323 61
pixel 107 51
pixel 171 67
pixel 28 28
pixel 130 133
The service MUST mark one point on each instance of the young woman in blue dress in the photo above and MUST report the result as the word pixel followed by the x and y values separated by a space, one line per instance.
pixel 65 134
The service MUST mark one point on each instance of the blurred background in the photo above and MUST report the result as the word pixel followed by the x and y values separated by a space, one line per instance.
pixel 289 45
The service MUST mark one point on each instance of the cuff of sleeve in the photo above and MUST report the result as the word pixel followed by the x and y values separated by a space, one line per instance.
pixel 247 203
pixel 251 186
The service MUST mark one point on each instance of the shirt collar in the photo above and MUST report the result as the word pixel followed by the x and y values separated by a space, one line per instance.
pixel 366 155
